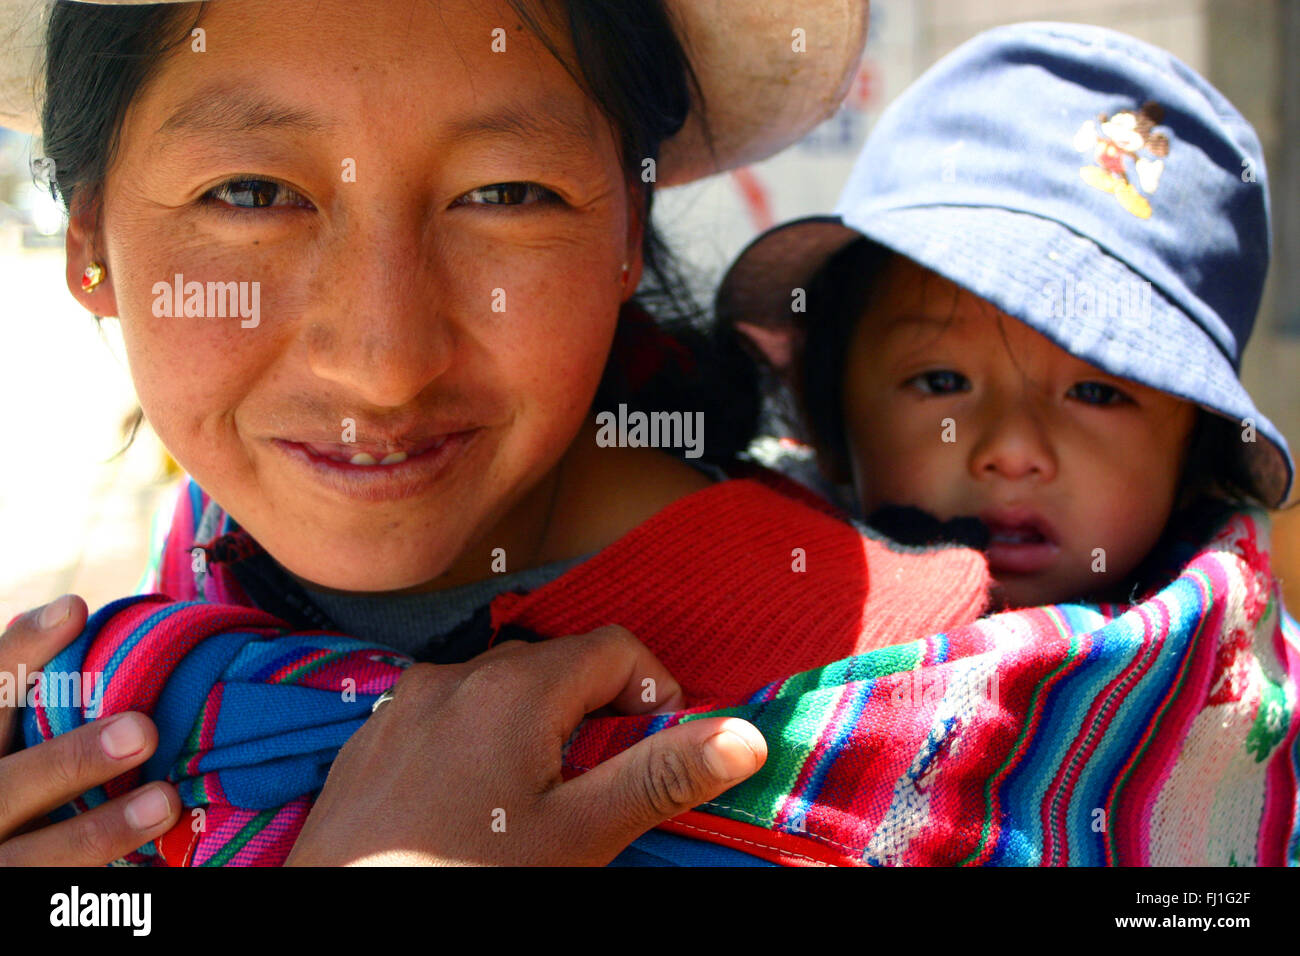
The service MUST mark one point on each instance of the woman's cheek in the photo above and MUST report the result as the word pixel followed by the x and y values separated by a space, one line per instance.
pixel 193 372
pixel 573 317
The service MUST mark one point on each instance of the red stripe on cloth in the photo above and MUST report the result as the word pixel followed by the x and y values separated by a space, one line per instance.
pixel 787 849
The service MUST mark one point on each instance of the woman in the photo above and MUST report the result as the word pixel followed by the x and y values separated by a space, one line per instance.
pixel 430 261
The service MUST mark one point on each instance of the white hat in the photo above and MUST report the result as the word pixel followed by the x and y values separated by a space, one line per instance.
pixel 765 84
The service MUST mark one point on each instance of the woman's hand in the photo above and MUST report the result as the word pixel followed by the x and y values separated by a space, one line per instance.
pixel 35 781
pixel 463 765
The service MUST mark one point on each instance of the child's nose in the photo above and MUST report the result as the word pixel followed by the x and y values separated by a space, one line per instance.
pixel 1013 443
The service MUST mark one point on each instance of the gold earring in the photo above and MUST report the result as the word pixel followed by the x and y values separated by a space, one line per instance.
pixel 92 277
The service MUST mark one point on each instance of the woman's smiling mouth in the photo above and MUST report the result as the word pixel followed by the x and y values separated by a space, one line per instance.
pixel 373 453
pixel 353 470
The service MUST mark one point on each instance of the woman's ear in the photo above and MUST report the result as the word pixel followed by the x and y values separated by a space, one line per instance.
pixel 635 237
pixel 81 244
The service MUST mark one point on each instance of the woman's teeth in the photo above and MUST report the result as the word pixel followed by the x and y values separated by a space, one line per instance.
pixel 361 458
pixel 368 459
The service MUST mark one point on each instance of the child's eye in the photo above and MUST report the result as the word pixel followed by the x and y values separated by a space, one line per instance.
pixel 508 194
pixel 251 193
pixel 1098 393
pixel 941 382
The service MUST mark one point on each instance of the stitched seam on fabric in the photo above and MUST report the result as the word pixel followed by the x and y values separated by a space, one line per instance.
pixel 766 846
pixel 772 822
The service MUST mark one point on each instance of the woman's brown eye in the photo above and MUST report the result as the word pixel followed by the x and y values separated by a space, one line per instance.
pixel 255 194
pixel 509 194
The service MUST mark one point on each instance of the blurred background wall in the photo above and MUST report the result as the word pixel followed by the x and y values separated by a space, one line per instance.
pixel 71 519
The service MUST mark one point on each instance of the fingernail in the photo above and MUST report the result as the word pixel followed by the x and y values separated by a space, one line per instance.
pixel 122 738
pixel 729 755
pixel 148 810
pixel 55 613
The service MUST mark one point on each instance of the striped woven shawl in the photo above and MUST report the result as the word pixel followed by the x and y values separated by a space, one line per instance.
pixel 1163 732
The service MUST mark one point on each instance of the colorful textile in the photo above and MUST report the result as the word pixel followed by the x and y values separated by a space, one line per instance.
pixel 249 717
pixel 1164 732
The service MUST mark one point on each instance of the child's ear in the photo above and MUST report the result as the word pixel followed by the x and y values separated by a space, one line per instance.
pixel 82 244
pixel 778 346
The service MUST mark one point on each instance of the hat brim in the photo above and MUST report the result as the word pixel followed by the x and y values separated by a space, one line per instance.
pixel 1157 345
pixel 757 294
pixel 761 91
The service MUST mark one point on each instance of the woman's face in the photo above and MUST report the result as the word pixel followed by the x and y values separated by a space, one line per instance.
pixel 428 233
pixel 958 409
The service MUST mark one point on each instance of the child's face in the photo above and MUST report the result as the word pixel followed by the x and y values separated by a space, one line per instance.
pixel 987 417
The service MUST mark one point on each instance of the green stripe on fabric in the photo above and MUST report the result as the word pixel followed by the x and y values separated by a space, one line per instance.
pixel 238 841
pixel 792 728
pixel 1271 721
pixel 879 663
pixel 297 673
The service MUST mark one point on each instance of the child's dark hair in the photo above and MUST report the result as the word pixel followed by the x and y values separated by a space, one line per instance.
pixel 836 298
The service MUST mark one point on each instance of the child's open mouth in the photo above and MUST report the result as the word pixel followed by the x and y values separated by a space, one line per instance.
pixel 1020 541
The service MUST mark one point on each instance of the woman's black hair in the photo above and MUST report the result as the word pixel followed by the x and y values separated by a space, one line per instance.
pixel 629 59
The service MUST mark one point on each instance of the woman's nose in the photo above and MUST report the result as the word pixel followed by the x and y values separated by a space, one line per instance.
pixel 1013 442
pixel 378 329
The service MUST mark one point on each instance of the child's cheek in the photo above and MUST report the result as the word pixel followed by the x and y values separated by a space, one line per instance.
pixel 1127 511
pixel 904 461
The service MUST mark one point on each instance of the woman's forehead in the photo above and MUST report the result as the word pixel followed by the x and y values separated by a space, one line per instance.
pixel 468 68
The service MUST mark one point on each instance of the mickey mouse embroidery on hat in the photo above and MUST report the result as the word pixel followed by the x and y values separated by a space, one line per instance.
pixel 1125 136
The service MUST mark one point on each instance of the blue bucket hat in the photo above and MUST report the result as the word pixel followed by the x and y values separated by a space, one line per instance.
pixel 1088 184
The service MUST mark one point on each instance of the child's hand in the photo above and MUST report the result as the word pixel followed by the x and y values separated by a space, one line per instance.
pixel 35 781
pixel 463 766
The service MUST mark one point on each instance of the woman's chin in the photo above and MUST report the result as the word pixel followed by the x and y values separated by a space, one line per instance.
pixel 368 570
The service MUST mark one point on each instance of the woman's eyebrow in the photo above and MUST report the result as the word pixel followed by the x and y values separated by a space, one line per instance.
pixel 231 111
pixel 530 125
pixel 223 110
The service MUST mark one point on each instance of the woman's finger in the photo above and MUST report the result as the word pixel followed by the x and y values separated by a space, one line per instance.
pixel 36 780
pixel 609 666
pixel 100 836
pixel 504 647
pixel 29 643
pixel 657 779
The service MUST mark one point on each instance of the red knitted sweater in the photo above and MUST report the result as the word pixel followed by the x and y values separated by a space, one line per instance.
pixel 776 585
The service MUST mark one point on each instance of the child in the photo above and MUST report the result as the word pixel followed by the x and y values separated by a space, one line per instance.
pixel 1029 309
